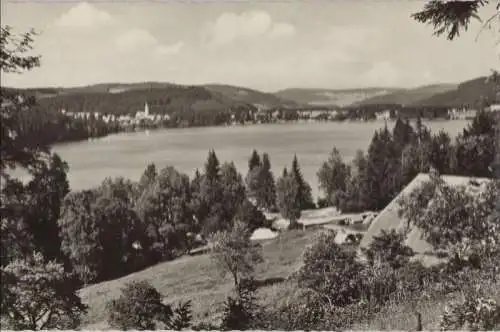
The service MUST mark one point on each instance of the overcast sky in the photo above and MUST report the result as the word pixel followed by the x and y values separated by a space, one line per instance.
pixel 267 45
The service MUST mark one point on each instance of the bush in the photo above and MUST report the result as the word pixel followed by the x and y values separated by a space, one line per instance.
pixel 377 283
pixel 240 312
pixel 473 313
pixel 301 310
pixel 331 271
pixel 389 247
pixel 140 307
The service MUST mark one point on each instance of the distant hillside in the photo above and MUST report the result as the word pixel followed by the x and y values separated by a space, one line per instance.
pixel 250 96
pixel 331 97
pixel 121 98
pixel 128 99
pixel 468 93
pixel 408 96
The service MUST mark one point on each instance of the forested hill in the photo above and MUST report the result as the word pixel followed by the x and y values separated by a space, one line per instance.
pixel 251 96
pixel 119 98
pixel 126 99
pixel 331 97
pixel 470 93
pixel 408 96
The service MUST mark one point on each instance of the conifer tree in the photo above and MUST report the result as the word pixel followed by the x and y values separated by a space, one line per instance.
pixel 382 171
pixel 212 167
pixel 267 194
pixel 254 161
pixel 304 189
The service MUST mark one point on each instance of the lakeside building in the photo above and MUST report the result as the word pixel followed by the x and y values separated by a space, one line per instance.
pixel 144 115
pixel 461 113
pixel 385 115
pixel 493 108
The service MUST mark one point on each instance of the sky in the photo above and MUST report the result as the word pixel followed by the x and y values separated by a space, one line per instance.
pixel 266 45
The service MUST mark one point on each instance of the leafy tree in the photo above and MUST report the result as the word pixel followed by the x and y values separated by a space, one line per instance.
pixel 450 216
pixel 389 248
pixel 287 199
pixel 304 196
pixel 234 253
pixel 333 177
pixel 99 228
pixel 47 190
pixel 250 215
pixel 330 271
pixel 16 239
pixel 164 209
pixel 14 151
pixel 147 178
pixel 139 307
pixel 80 234
pixel 118 226
pixel 37 295
pixel 475 147
pixel 441 152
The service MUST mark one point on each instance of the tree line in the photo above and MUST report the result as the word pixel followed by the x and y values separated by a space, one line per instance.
pixel 373 178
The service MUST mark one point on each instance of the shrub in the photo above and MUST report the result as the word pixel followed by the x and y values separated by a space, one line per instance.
pixel 331 271
pixel 389 247
pixel 140 307
pixel 474 313
pixel 301 310
pixel 377 283
pixel 240 312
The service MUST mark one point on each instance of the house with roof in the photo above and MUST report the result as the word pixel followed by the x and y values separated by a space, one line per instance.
pixel 389 217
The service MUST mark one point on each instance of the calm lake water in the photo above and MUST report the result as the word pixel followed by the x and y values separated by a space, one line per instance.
pixel 127 154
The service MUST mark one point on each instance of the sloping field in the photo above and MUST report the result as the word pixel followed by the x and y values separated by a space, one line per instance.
pixel 196 278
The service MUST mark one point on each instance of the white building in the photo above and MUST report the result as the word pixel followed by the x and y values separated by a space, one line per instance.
pixel 385 115
pixel 143 115
pixel 461 113
pixel 493 108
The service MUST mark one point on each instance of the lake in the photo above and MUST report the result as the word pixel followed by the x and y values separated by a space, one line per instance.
pixel 127 154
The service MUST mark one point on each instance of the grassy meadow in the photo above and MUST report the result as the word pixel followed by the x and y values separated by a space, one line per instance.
pixel 196 278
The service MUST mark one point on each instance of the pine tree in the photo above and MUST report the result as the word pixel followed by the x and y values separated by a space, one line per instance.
pixel 382 172
pixel 212 167
pixel 402 133
pixel 254 161
pixel 267 194
pixel 148 177
pixel 304 189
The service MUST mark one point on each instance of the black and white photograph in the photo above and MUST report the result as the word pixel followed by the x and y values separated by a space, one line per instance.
pixel 233 165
